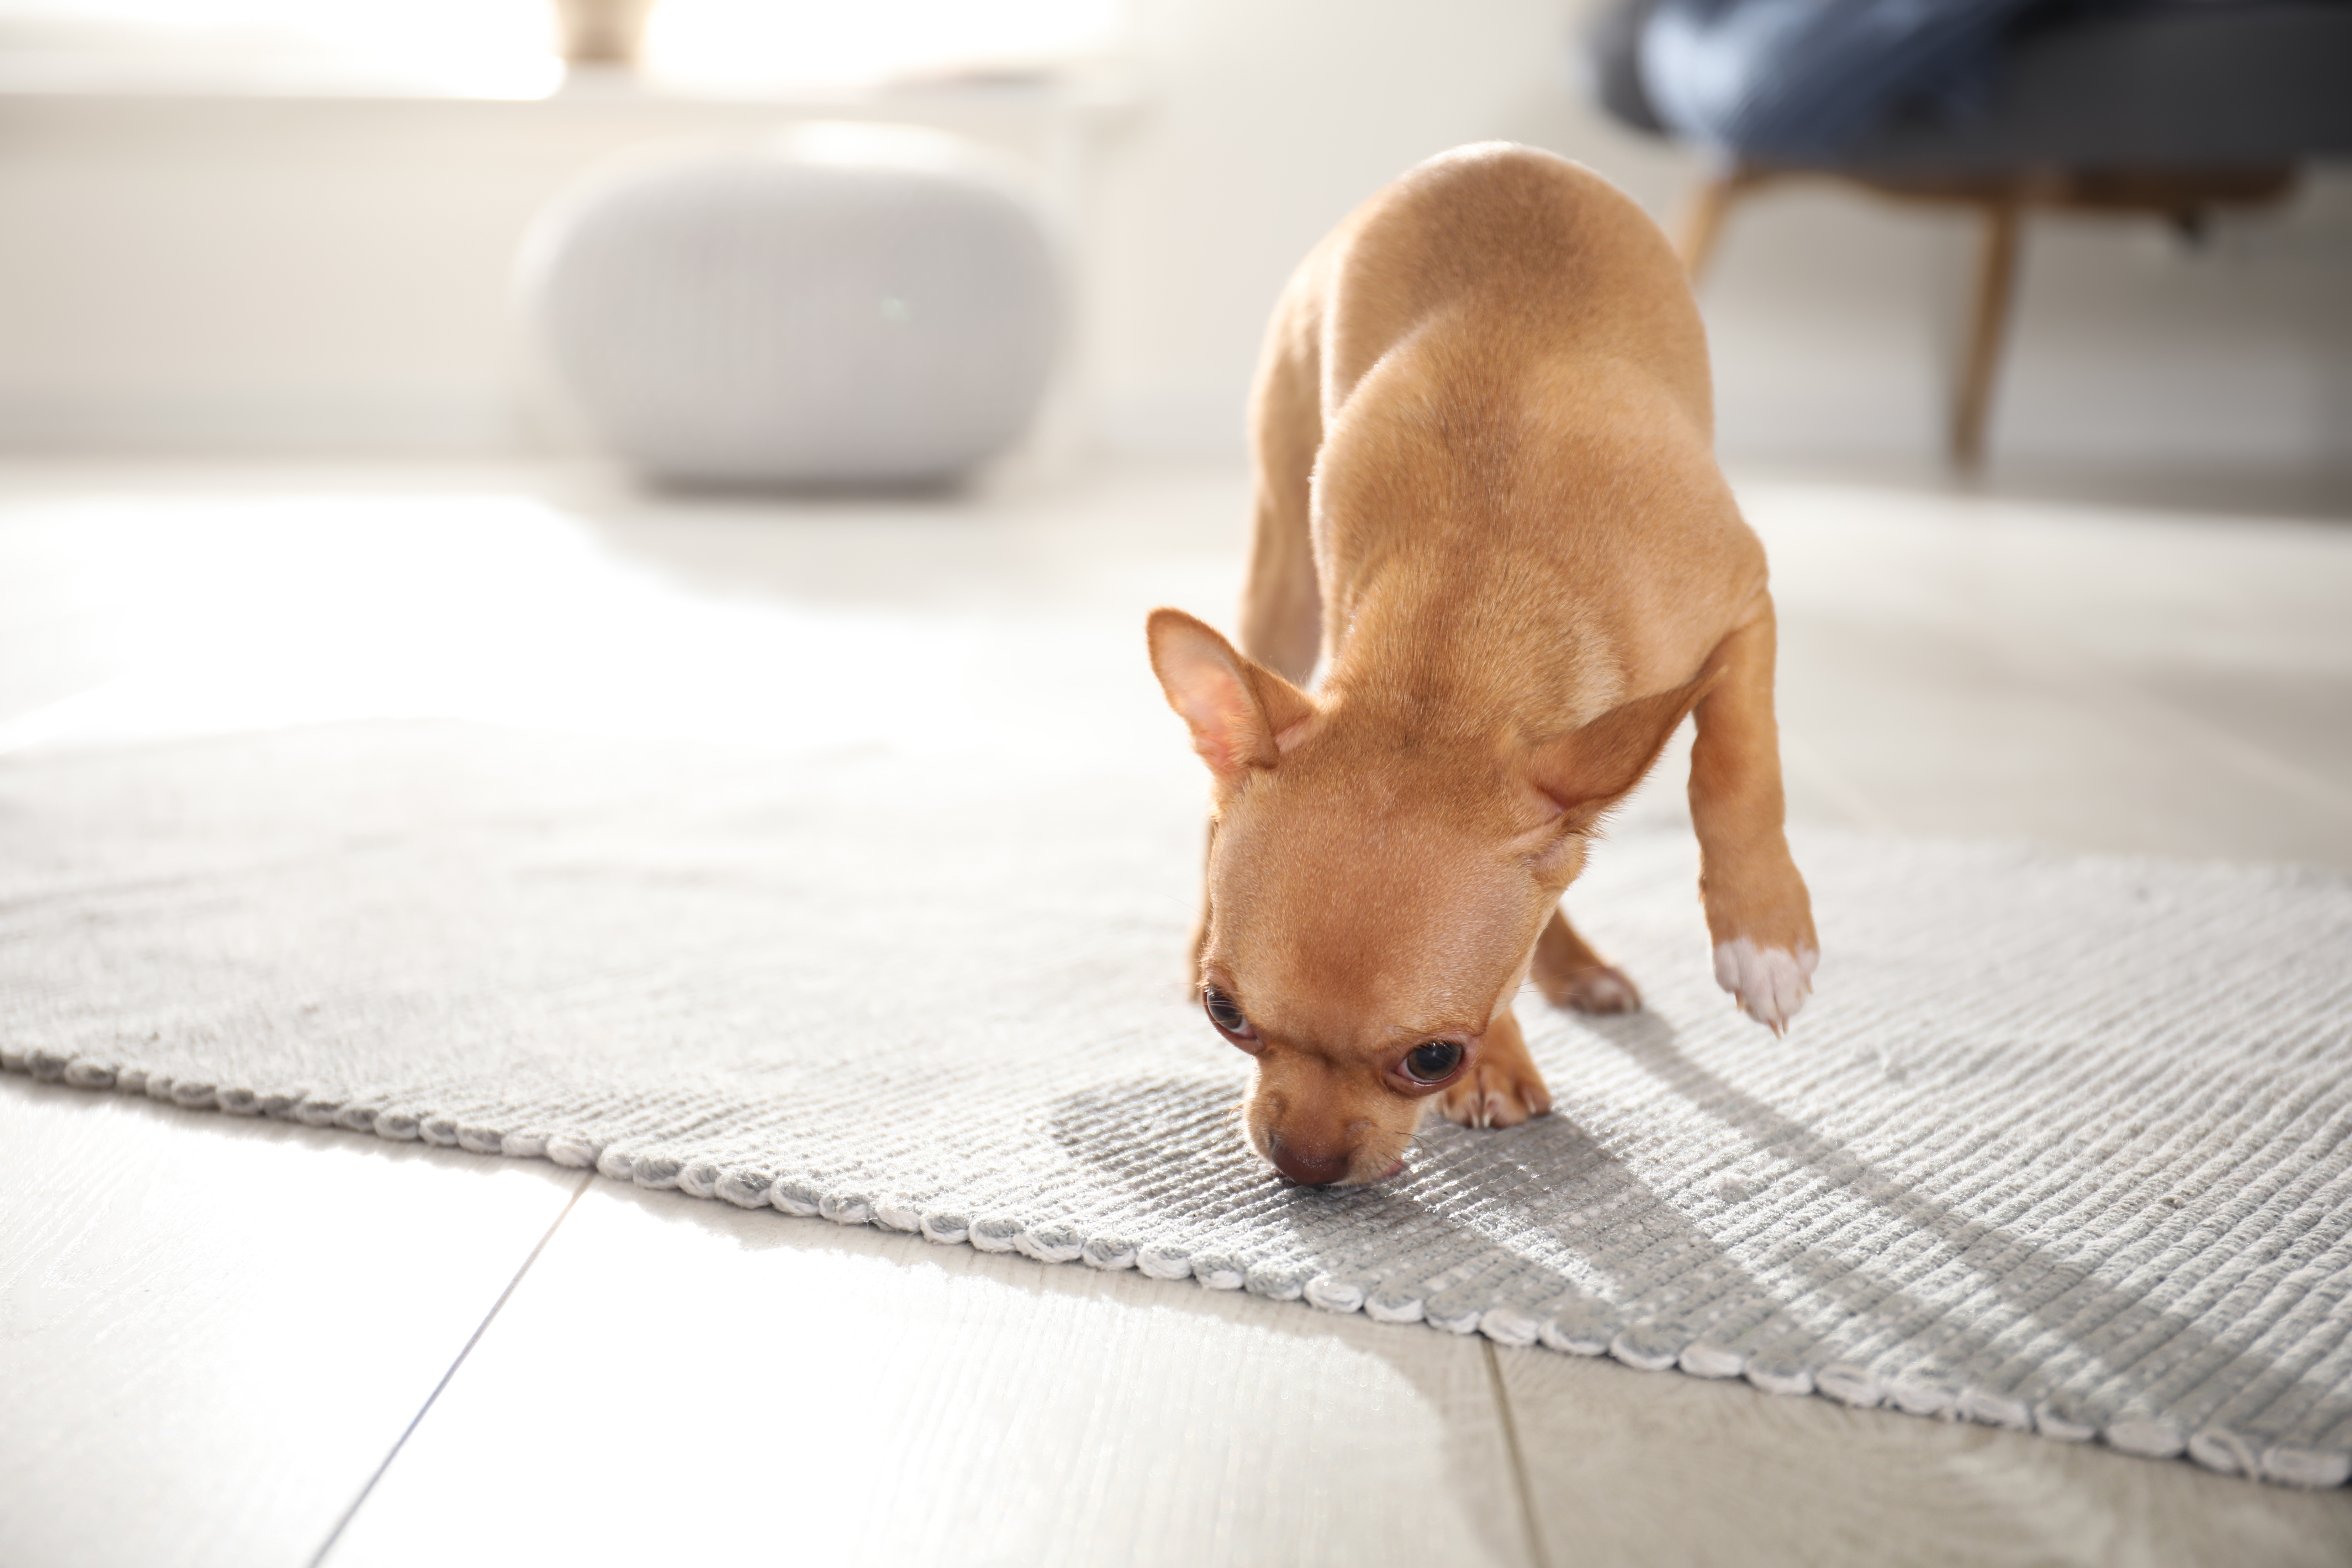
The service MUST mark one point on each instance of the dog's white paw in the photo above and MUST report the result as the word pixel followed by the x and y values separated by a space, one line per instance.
pixel 1771 982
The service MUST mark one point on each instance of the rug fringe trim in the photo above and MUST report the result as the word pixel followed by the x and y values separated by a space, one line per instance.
pixel 1647 1347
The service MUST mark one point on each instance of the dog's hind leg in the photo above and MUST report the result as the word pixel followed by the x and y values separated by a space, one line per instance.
pixel 1571 975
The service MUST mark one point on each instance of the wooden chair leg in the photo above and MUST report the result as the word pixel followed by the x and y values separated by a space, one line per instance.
pixel 1702 221
pixel 1988 325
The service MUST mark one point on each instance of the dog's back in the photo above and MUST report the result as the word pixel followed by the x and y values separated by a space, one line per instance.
pixel 1508 258
pixel 1503 380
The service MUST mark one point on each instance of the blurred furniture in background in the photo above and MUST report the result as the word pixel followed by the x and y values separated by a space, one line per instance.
pixel 840 304
pixel 602 32
pixel 2167 109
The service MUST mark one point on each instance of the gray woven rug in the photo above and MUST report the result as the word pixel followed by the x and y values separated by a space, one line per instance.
pixel 2062 1144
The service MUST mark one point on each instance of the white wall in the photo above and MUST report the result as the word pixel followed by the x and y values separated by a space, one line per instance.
pixel 331 275
pixel 293 275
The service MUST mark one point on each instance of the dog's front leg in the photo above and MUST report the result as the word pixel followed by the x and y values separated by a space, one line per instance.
pixel 1759 915
pixel 1502 1088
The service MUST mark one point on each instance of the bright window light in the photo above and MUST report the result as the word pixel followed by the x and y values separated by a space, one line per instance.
pixel 873 40
pixel 485 48
pixel 504 48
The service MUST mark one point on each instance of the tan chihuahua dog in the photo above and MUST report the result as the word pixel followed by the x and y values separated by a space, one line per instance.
pixel 1487 502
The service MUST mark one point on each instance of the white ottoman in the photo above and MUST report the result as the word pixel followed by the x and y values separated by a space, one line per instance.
pixel 837 305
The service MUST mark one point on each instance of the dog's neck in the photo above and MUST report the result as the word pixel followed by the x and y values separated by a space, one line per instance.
pixel 1431 661
pixel 1469 592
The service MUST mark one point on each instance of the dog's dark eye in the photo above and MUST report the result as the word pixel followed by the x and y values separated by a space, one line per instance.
pixel 1433 1061
pixel 1226 1014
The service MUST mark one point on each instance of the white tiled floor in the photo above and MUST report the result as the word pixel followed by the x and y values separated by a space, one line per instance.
pixel 226 1342
pixel 216 1328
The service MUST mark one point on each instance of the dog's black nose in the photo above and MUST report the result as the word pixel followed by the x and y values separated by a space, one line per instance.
pixel 1310 1167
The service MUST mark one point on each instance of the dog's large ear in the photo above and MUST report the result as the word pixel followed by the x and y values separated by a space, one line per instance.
pixel 1241 714
pixel 1587 770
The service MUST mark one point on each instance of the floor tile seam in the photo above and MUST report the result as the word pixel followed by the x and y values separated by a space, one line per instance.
pixel 1515 1455
pixel 327 1546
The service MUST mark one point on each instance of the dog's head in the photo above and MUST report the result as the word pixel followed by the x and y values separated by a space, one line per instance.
pixel 1374 895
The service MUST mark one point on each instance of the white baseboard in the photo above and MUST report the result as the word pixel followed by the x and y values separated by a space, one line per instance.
pixel 469 421
pixel 1824 411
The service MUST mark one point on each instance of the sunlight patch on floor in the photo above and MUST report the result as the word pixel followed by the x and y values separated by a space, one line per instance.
pixel 226 614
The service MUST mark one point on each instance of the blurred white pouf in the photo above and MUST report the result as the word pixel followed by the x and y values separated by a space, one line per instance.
pixel 839 304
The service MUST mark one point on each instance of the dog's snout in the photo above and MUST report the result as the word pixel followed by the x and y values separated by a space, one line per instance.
pixel 1303 1163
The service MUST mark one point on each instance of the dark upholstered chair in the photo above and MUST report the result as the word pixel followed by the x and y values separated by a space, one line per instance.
pixel 2166 109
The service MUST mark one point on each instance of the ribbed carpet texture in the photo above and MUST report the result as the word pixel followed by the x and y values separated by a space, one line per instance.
pixel 2062 1143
